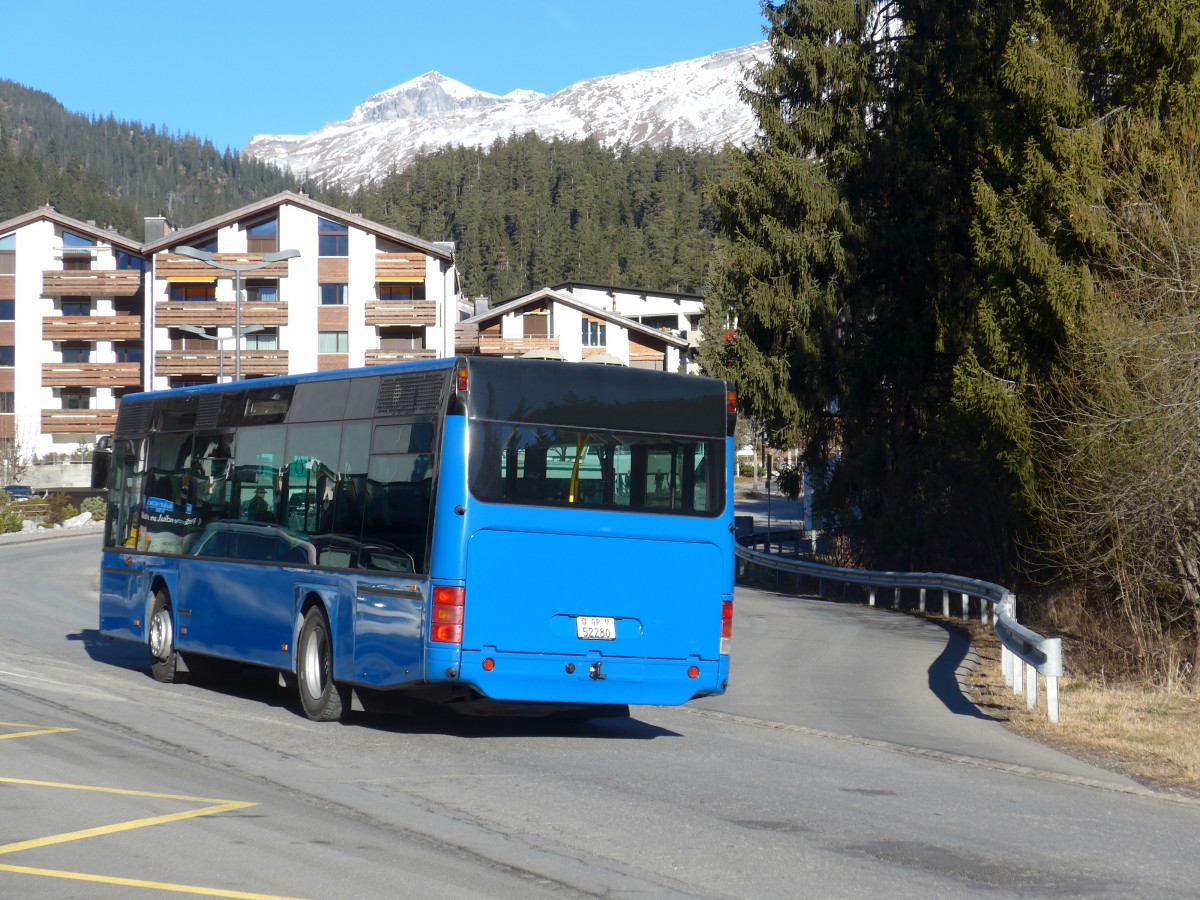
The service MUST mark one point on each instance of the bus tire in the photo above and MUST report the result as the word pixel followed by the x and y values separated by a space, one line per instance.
pixel 161 638
pixel 321 698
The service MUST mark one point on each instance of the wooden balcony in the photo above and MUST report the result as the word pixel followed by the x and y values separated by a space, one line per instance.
pixel 79 421
pixel 401 312
pixel 387 357
pixel 91 374
pixel 181 268
pixel 207 362
pixel 123 283
pixel 402 267
pixel 494 345
pixel 92 328
pixel 219 314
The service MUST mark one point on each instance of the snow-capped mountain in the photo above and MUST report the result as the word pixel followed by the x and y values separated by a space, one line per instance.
pixel 690 104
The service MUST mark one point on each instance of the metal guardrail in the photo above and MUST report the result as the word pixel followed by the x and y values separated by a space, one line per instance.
pixel 1024 654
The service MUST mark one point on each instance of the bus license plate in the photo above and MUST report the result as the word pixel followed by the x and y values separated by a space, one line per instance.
pixel 596 628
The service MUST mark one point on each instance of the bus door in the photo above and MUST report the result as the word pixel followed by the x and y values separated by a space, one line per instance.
pixel 391 557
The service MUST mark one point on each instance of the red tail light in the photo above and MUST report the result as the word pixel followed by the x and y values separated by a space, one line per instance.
pixel 726 626
pixel 731 401
pixel 461 378
pixel 446 614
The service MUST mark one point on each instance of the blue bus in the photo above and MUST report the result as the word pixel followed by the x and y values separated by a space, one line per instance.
pixel 480 532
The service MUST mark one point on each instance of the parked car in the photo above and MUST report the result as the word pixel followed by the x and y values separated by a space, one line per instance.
pixel 19 491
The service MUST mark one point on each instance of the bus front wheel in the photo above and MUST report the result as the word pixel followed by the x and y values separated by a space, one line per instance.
pixel 163 657
pixel 321 698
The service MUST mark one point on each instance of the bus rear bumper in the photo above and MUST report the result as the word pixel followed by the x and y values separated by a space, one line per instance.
pixel 590 679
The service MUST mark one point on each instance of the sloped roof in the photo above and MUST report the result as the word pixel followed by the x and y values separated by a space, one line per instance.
pixel 304 202
pixel 625 289
pixel 581 305
pixel 50 214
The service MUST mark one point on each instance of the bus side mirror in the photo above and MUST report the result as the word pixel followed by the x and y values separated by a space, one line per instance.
pixel 101 463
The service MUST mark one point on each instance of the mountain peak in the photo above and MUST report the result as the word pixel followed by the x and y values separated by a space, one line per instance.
pixel 696 103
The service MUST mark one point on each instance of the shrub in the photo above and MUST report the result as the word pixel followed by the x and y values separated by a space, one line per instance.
pixel 95 506
pixel 59 509
pixel 10 515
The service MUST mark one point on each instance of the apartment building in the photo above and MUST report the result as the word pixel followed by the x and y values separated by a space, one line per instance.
pixel 72 315
pixel 355 294
pixel 558 324
pixel 88 315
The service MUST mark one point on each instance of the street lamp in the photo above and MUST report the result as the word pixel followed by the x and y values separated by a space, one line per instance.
pixel 220 341
pixel 210 259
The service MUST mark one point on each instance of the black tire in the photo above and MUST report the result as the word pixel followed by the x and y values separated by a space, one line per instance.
pixel 321 698
pixel 160 635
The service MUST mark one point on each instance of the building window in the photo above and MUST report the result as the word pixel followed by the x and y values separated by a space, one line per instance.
pixel 593 333
pixel 333 239
pixel 77 354
pixel 7 402
pixel 129 353
pixel 7 354
pixel 76 400
pixel 395 292
pixel 263 237
pixel 74 240
pixel 208 243
pixel 333 294
pixel 262 341
pixel 333 342
pixel 8 310
pixel 402 339
pixel 76 307
pixel 537 325
pixel 262 292
pixel 127 262
pixel 183 292
pixel 8 254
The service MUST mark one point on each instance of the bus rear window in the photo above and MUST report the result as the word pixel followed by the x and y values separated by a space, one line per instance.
pixel 548 466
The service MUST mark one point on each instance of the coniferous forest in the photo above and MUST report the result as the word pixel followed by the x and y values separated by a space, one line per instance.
pixel 523 213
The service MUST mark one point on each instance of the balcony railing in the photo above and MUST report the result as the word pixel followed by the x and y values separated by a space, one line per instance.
pixel 219 314
pixel 79 421
pixel 171 265
pixel 387 357
pixel 401 312
pixel 122 283
pixel 92 328
pixel 91 374
pixel 408 267
pixel 494 345
pixel 207 362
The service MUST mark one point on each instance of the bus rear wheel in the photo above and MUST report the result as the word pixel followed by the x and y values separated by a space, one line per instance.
pixel 321 698
pixel 163 656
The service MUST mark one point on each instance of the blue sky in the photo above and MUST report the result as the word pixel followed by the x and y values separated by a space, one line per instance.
pixel 229 70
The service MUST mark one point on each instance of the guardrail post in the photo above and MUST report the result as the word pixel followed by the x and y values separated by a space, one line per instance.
pixel 921 607
pixel 966 605
pixel 1018 672
pixel 1030 686
pixel 945 604
pixel 1052 697
pixel 1006 664
pixel 983 610
pixel 896 598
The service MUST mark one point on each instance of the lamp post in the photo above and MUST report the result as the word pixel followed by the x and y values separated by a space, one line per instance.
pixel 209 259
pixel 197 330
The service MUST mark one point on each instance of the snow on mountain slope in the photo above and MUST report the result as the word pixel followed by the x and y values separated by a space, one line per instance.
pixel 690 104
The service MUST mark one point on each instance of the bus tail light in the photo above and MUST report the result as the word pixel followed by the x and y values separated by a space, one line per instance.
pixel 726 626
pixel 446 614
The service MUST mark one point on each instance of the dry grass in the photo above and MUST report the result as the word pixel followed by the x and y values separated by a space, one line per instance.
pixel 1151 734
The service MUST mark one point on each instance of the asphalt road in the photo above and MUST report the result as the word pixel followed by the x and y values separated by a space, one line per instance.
pixel 842 763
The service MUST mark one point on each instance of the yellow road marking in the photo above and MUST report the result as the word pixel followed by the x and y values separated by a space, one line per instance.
pixel 133 882
pixel 213 807
pixel 38 729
